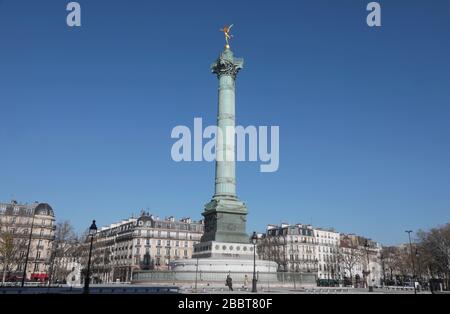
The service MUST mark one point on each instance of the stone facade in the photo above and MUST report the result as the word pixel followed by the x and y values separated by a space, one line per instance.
pixel 144 243
pixel 293 248
pixel 367 254
pixel 18 220
pixel 328 242
pixel 304 249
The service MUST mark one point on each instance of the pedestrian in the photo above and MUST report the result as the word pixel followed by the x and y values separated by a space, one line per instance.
pixel 229 283
pixel 245 282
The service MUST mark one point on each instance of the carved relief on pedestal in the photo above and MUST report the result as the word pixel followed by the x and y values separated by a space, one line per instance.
pixel 210 223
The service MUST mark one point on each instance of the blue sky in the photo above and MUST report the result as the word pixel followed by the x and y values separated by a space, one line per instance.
pixel 364 114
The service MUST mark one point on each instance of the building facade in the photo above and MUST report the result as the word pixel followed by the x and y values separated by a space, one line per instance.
pixel 332 256
pixel 360 259
pixel 144 243
pixel 293 247
pixel 328 242
pixel 32 228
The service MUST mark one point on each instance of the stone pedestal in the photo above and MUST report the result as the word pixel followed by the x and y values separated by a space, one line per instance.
pixel 225 220
pixel 212 270
pixel 223 250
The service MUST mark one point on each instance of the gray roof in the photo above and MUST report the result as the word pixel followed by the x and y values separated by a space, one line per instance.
pixel 15 208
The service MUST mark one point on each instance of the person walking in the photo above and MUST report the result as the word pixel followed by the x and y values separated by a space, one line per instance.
pixel 245 282
pixel 229 283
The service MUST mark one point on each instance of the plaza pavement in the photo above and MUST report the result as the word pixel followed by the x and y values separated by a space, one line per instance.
pixel 202 289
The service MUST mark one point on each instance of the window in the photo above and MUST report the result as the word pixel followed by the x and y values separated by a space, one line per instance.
pixel 185 253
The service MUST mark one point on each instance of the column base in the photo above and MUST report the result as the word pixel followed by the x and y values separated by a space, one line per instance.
pixel 225 220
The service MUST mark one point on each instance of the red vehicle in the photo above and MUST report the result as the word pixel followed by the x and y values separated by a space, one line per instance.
pixel 39 277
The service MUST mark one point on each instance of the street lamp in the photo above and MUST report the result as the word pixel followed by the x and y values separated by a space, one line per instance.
pixel 419 275
pixel 92 232
pixel 366 245
pixel 412 260
pixel 254 240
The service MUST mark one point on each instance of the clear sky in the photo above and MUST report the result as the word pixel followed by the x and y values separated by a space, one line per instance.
pixel 364 114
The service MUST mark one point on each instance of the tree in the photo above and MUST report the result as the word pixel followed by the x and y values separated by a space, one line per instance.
pixel 267 249
pixel 10 248
pixel 390 255
pixel 434 249
pixel 65 238
pixel 349 255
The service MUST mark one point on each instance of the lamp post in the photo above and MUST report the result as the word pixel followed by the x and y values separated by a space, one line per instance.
pixel 92 231
pixel 24 275
pixel 412 260
pixel 254 240
pixel 419 275
pixel 369 284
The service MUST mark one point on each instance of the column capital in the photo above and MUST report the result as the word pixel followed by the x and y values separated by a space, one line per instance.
pixel 226 64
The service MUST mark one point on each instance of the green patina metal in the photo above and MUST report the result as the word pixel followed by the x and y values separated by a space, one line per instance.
pixel 225 215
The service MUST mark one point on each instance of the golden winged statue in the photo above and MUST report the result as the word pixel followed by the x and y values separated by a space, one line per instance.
pixel 226 30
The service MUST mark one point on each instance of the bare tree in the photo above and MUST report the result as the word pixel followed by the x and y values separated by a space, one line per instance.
pixel 434 249
pixel 10 248
pixel 349 255
pixel 271 248
pixel 65 238
pixel 390 262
